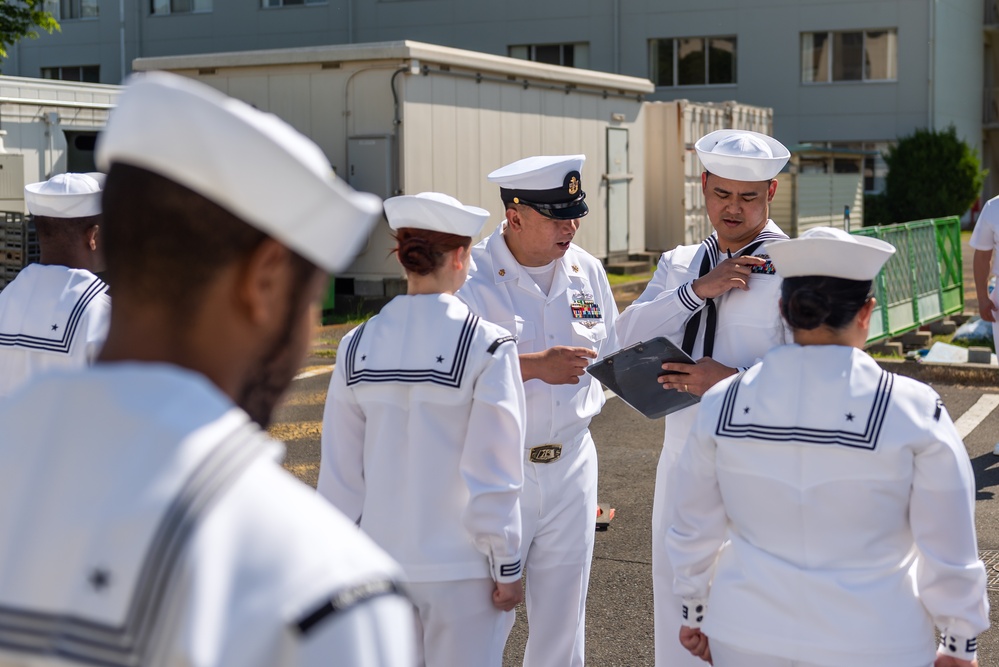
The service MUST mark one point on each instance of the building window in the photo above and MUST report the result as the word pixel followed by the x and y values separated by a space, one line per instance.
pixel 291 3
pixel 567 55
pixel 161 7
pixel 85 73
pixel 869 55
pixel 693 61
pixel 72 9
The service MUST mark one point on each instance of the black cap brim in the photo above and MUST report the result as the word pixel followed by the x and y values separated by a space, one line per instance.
pixel 571 213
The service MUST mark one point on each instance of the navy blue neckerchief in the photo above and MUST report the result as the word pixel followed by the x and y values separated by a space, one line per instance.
pixel 694 323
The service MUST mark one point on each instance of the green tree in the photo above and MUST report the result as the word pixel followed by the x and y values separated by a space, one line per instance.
pixel 931 174
pixel 20 18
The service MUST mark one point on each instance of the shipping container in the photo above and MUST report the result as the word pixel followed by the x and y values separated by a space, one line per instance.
pixel 674 202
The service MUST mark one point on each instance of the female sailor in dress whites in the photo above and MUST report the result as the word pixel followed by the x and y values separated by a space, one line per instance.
pixel 825 507
pixel 423 438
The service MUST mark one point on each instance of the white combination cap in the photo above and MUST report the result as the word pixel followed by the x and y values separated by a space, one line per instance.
pixel 551 184
pixel 827 251
pixel 66 196
pixel 436 212
pixel 741 155
pixel 251 163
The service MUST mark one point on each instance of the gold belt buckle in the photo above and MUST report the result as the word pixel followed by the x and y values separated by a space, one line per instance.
pixel 546 453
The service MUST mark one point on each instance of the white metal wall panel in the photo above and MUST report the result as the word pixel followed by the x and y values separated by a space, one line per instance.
pixel 454 129
pixel 780 207
pixel 443 130
pixel 821 198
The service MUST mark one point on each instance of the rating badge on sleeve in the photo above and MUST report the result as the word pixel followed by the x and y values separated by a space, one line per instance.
pixel 585 310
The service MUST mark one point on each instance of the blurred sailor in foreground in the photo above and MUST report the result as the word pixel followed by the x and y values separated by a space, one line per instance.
pixel 144 518
pixel 719 301
pixel 554 297
pixel 824 507
pixel 55 313
pixel 423 438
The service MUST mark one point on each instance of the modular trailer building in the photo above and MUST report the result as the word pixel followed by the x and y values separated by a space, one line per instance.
pixel 406 117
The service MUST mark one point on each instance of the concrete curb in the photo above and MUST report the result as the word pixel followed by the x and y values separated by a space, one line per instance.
pixel 974 375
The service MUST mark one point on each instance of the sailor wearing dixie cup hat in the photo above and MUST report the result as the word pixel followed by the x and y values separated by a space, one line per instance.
pixel 55 313
pixel 824 509
pixel 423 438
pixel 554 297
pixel 169 533
pixel 718 300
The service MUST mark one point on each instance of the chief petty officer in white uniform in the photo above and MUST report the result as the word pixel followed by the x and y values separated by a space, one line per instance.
pixel 529 278
pixel 423 438
pixel 144 517
pixel 55 313
pixel 845 490
pixel 718 300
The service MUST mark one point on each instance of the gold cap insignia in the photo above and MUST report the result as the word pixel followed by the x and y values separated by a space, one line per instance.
pixel 516 200
pixel 502 272
pixel 573 185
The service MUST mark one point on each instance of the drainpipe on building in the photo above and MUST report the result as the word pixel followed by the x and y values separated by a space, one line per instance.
pixel 616 8
pixel 931 69
pixel 350 21
pixel 121 36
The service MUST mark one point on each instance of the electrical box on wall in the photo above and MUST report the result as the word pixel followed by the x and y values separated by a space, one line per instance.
pixel 369 165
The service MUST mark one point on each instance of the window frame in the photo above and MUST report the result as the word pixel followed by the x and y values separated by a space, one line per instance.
pixel 171 12
pixel 54 7
pixel 281 4
pixel 61 68
pixel 706 40
pixel 892 64
pixel 532 50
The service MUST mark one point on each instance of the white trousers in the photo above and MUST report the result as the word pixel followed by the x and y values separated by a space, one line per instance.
pixel 458 624
pixel 559 511
pixel 666 606
pixel 726 655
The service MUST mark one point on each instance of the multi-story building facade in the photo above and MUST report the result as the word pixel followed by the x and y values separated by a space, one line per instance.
pixel 838 73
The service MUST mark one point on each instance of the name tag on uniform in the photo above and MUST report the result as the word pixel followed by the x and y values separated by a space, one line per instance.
pixel 585 310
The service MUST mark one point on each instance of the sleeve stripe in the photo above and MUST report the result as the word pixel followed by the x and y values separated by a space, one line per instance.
pixel 346 599
pixel 510 569
pixel 686 298
pixel 499 341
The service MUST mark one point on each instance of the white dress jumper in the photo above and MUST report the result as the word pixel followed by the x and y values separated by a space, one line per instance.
pixel 51 317
pixel 144 520
pixel 824 513
pixel 748 325
pixel 422 446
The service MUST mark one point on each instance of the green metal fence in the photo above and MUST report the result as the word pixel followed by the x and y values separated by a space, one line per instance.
pixel 923 281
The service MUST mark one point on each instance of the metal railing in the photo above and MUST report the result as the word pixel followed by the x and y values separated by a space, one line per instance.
pixel 923 281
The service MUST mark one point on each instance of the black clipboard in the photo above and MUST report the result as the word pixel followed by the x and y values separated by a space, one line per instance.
pixel 632 374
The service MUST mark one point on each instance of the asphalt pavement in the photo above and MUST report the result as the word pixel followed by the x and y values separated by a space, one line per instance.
pixel 619 605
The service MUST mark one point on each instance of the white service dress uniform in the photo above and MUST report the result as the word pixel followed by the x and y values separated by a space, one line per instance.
pixel 838 500
pixel 559 502
pixel 51 317
pixel 206 553
pixel 985 237
pixel 422 446
pixel 748 325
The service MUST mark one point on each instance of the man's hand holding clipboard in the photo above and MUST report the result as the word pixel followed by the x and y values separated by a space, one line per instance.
pixel 693 378
pixel 636 375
